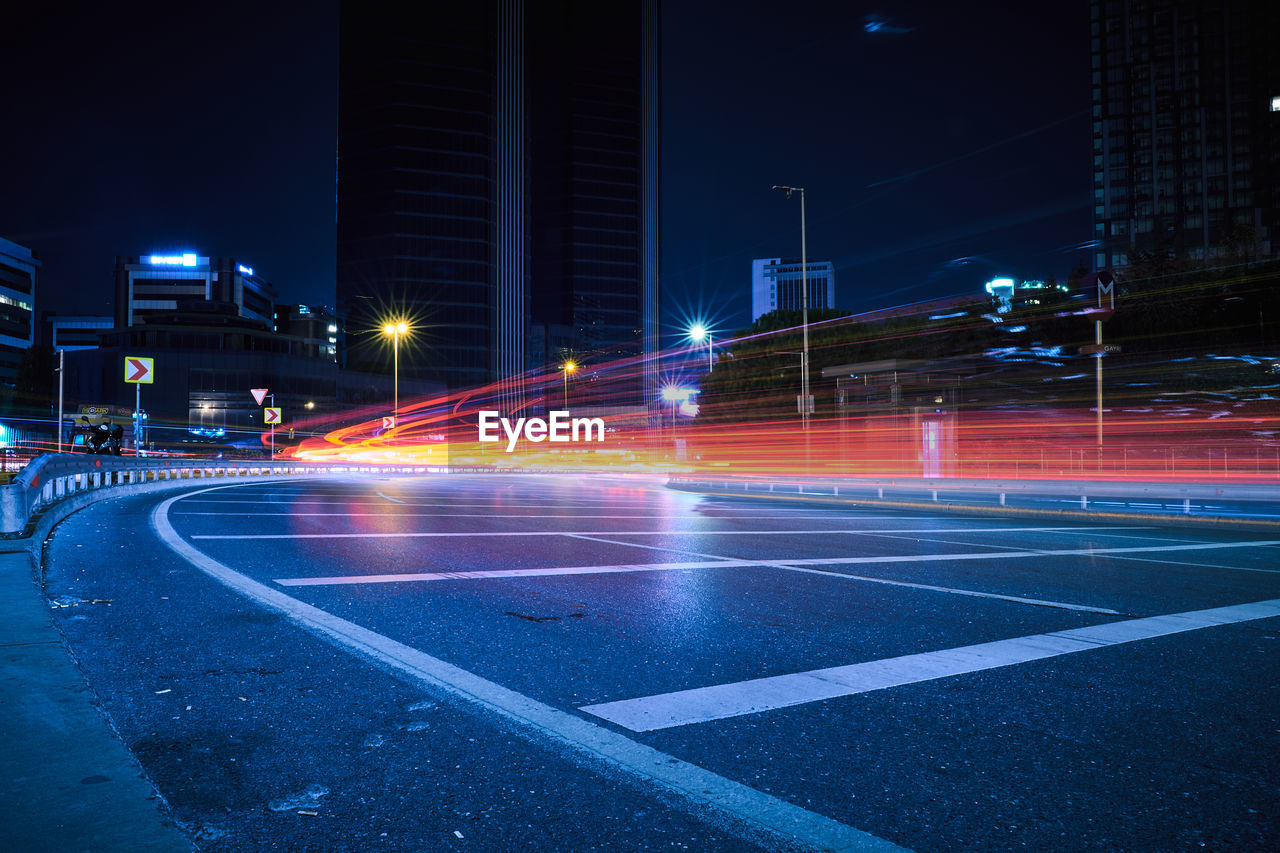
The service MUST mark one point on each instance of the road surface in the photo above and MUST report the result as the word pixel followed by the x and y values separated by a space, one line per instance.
pixel 537 663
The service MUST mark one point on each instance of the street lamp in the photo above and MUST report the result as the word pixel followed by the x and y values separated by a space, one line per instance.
pixel 396 330
pixel 674 395
pixel 804 307
pixel 696 333
pixel 568 367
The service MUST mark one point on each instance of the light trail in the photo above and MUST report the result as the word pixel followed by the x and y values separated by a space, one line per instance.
pixel 954 394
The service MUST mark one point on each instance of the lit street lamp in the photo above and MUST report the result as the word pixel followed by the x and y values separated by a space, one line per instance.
pixel 396 330
pixel 568 367
pixel 696 333
pixel 804 307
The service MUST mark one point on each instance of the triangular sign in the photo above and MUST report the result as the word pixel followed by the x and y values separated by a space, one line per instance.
pixel 259 394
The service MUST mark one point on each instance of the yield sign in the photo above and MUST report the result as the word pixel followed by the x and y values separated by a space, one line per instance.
pixel 389 423
pixel 259 394
pixel 271 415
pixel 139 370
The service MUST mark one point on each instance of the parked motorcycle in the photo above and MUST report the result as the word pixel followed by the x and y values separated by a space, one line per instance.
pixel 102 439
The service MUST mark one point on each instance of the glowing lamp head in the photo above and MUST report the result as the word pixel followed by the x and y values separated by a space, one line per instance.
pixel 698 333
pixel 397 328
pixel 674 393
pixel 570 367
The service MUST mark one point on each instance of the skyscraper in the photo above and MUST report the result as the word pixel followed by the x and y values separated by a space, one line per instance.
pixel 498 170
pixel 1186 126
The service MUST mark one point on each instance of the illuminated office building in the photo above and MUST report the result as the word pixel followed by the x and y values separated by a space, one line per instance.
pixel 776 285
pixel 497 173
pixel 184 282
pixel 1186 129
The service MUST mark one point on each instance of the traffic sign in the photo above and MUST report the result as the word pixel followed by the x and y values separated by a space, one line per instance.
pixel 259 394
pixel 389 423
pixel 1099 349
pixel 139 370
pixel 271 415
pixel 1103 283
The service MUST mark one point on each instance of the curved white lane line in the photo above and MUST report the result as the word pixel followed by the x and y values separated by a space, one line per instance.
pixel 740 803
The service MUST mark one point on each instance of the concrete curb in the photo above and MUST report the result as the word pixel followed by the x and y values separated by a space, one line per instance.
pixel 67 781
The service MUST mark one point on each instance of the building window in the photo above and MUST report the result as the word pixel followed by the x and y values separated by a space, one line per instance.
pixel 1275 104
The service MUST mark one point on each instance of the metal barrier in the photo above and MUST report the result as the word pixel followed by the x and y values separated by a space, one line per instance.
pixel 957 492
pixel 53 477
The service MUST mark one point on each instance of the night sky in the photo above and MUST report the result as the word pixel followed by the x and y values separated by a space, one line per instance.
pixel 948 146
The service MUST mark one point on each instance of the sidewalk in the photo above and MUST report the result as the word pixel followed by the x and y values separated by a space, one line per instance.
pixel 67 782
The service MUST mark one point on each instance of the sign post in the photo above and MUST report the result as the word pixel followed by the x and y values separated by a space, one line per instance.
pixel 270 414
pixel 138 371
pixel 1106 283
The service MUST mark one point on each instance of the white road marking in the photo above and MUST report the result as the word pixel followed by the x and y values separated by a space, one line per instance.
pixel 309 502
pixel 488 574
pixel 541 515
pixel 389 498
pixel 788 566
pixel 733 800
pixel 765 694
pixel 1017 599
pixel 1201 565
pixel 822 532
pixel 715 563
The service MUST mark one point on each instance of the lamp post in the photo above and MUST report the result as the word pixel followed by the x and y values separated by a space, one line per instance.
pixel 804 317
pixel 568 367
pixel 396 330
pixel 58 370
pixel 696 334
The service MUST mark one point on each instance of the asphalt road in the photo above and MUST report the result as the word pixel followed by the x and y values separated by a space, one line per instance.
pixel 537 663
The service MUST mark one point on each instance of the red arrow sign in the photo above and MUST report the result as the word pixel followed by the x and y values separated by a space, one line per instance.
pixel 138 370
pixel 271 415
pixel 388 423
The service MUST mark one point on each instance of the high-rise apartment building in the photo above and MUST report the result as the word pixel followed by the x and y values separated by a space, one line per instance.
pixel 776 285
pixel 1186 126
pixel 497 172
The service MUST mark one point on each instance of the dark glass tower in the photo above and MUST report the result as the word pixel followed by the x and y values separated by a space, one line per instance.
pixel 1186 129
pixel 497 174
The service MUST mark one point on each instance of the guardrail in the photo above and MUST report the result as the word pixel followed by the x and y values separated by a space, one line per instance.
pixel 55 476
pixel 1176 497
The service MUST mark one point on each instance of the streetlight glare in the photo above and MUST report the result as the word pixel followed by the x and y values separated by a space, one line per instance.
pixel 396 329
pixel 698 333
pixel 570 366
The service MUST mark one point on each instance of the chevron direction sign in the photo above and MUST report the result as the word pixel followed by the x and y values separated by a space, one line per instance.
pixel 139 370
